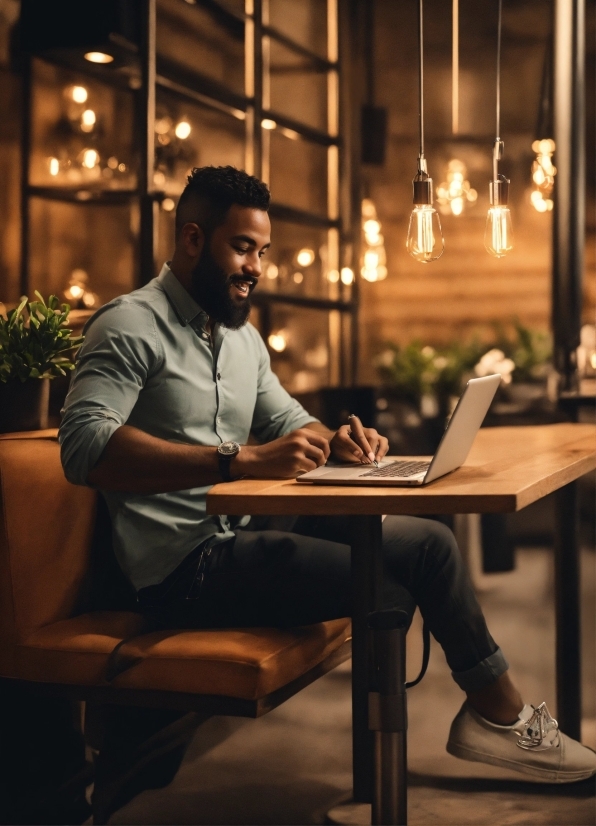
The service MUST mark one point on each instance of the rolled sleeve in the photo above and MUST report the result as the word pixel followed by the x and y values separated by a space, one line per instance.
pixel 120 351
pixel 276 412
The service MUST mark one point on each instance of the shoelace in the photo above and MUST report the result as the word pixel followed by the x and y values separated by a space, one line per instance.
pixel 541 731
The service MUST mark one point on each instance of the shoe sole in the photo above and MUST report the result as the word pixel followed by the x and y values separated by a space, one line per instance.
pixel 546 775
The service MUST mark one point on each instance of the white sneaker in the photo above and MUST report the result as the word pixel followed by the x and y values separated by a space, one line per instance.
pixel 534 745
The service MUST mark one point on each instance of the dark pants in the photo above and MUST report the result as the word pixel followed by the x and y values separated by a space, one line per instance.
pixel 298 577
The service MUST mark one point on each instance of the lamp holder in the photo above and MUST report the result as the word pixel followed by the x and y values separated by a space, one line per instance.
pixel 499 191
pixel 422 185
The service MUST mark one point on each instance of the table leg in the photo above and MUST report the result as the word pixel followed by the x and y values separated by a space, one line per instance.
pixel 567 610
pixel 367 570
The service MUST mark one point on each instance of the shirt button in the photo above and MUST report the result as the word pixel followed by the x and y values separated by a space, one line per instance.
pixel 218 420
pixel 219 376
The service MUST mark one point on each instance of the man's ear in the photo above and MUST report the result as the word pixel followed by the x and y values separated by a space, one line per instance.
pixel 192 240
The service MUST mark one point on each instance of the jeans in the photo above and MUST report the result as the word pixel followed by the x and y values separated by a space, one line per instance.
pixel 301 576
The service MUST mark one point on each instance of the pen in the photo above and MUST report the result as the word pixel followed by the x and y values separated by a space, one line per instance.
pixel 357 431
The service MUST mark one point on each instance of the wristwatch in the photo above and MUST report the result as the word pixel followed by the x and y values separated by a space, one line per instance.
pixel 225 453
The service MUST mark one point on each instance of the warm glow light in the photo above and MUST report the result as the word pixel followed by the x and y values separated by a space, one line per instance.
pixel 113 162
pixel 182 129
pixel 278 341
pixel 54 165
pixel 168 204
pixel 543 175
pixel 159 178
pixel 333 276
pixel 298 278
pixel 121 167
pixel 163 125
pixel 79 94
pixel 98 57
pixel 90 158
pixel 425 238
pixel 305 257
pixel 373 247
pixel 88 120
pixel 267 123
pixel 76 291
pixel 455 192
pixel 498 235
pixel 271 271
pixel 347 275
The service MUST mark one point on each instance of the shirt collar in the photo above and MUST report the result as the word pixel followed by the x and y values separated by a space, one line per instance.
pixel 185 307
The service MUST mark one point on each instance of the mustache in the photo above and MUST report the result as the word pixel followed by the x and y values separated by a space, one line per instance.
pixel 247 279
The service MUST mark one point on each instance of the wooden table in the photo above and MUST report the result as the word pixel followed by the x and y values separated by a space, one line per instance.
pixel 508 468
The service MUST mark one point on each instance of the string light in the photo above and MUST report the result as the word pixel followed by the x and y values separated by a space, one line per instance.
pixel 373 248
pixel 305 257
pixel 79 94
pixel 182 130
pixel 543 175
pixel 98 57
pixel 455 192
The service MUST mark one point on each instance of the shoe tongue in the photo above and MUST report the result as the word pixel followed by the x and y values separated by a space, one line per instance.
pixel 524 715
pixel 526 712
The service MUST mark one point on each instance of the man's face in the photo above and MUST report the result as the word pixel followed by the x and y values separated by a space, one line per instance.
pixel 230 265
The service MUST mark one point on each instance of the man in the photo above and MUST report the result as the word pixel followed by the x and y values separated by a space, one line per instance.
pixel 170 383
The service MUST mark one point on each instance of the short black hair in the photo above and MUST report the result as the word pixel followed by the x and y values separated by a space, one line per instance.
pixel 211 191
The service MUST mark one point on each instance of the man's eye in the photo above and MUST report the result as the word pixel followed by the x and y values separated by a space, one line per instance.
pixel 261 254
pixel 241 250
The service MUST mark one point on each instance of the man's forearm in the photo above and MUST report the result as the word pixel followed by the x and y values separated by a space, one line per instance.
pixel 135 462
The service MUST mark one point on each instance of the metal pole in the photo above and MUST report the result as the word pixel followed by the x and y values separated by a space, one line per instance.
pixel 148 205
pixel 387 717
pixel 567 610
pixel 569 208
pixel 366 564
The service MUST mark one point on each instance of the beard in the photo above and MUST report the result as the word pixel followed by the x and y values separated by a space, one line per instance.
pixel 211 289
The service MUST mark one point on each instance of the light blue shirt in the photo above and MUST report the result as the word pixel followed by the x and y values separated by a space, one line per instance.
pixel 148 361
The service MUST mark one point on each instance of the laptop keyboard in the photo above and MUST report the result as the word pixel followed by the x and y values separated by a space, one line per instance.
pixel 398 470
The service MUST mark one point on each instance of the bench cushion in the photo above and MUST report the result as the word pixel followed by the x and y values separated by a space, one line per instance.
pixel 245 663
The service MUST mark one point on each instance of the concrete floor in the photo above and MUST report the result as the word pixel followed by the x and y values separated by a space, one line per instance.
pixel 293 765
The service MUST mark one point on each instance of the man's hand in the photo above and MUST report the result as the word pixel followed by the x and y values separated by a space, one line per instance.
pixel 285 458
pixel 345 449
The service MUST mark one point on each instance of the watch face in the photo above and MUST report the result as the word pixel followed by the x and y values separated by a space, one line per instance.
pixel 229 448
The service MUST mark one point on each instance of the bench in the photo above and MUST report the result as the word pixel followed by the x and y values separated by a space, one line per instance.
pixel 52 641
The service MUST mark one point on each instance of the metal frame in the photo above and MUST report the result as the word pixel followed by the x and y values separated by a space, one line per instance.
pixel 189 85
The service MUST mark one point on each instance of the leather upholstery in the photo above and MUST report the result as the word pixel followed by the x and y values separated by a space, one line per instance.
pixel 48 634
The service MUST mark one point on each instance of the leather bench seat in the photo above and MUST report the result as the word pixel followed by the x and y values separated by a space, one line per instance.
pixel 74 651
pixel 246 663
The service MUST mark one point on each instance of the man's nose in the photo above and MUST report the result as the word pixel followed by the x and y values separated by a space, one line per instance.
pixel 253 265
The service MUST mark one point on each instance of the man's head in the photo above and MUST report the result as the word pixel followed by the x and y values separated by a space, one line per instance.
pixel 222 230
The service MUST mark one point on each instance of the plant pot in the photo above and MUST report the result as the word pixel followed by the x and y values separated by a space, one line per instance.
pixel 24 405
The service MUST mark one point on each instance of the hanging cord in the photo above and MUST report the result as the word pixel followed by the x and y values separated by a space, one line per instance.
pixel 497 152
pixel 421 161
pixel 425 656
pixel 455 68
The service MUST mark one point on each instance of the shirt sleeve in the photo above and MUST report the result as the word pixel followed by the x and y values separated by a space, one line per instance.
pixel 121 349
pixel 276 412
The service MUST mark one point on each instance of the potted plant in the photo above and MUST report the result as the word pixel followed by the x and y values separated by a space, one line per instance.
pixel 35 346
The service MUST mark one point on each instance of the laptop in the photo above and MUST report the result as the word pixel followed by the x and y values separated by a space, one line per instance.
pixel 452 452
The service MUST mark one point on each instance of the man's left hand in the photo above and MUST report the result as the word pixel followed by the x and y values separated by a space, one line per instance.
pixel 345 449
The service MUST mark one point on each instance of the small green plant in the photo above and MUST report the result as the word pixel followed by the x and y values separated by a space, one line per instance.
pixel 35 342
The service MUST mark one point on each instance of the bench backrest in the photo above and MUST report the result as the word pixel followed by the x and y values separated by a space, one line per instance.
pixel 46 526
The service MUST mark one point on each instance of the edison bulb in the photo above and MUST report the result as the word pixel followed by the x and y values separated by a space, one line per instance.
pixel 498 235
pixel 425 239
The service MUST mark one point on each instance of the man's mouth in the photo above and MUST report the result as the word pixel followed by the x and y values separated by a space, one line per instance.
pixel 243 285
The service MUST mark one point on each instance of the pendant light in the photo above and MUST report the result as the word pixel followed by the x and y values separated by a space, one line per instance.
pixel 498 235
pixel 425 238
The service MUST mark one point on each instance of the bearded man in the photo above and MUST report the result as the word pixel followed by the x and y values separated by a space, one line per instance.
pixel 170 383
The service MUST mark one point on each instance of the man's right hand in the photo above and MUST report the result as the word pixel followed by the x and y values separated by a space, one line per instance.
pixel 285 458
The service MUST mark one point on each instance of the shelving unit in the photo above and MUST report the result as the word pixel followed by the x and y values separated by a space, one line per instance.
pixel 284 105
